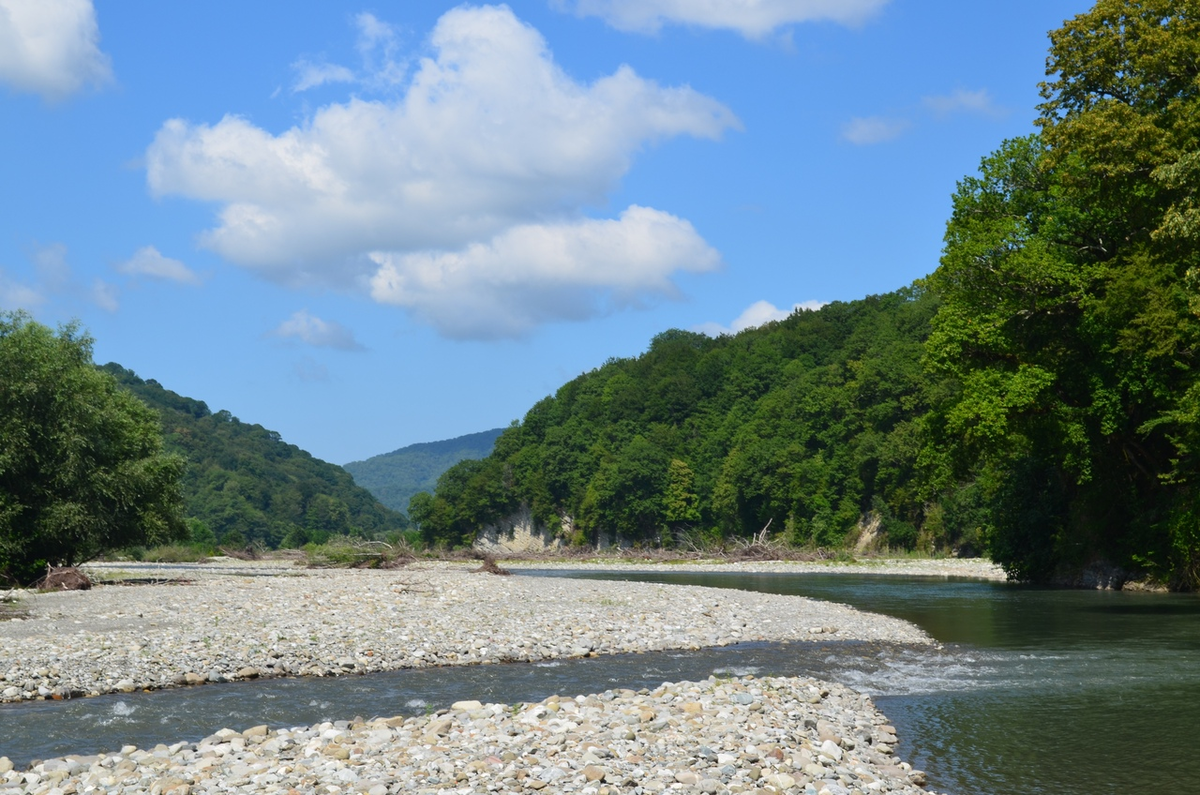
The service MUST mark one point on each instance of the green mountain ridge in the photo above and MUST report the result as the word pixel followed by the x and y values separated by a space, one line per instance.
pixel 244 484
pixel 396 476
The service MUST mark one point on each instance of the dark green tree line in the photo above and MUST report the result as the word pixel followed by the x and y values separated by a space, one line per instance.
pixel 82 466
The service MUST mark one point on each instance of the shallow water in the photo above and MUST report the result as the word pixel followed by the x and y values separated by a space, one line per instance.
pixel 44 729
pixel 1033 691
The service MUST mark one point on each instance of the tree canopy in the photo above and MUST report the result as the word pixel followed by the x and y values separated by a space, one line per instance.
pixel 82 467
pixel 244 485
pixel 1069 312
pixel 805 424
pixel 1038 394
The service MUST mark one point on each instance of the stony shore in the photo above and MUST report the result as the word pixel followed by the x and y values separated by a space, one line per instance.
pixel 237 621
pixel 746 735
pixel 233 620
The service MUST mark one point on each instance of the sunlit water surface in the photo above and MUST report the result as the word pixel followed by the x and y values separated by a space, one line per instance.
pixel 1032 691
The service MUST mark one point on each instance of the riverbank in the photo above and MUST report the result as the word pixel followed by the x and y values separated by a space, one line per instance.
pixel 771 735
pixel 235 620
pixel 971 568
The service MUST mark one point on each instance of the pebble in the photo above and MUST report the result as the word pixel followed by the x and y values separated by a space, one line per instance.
pixel 753 736
pixel 226 626
pixel 533 746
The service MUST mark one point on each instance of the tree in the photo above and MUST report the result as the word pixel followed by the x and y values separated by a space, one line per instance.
pixel 82 469
pixel 1068 312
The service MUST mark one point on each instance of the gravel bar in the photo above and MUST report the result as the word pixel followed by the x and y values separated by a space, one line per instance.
pixel 233 621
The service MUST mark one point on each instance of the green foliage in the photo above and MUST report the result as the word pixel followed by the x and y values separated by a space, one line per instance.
pixel 82 469
pixel 244 485
pixel 396 476
pixel 1068 315
pixel 1038 395
pixel 805 423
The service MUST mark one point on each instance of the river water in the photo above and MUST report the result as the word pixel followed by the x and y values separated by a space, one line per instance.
pixel 1033 691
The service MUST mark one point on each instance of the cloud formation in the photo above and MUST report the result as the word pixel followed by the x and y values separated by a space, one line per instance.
pixel 539 273
pixel 15 295
pixel 962 101
pixel 54 279
pixel 754 19
pixel 51 47
pixel 871 130
pixel 312 330
pixel 376 45
pixel 755 315
pixel 490 147
pixel 147 261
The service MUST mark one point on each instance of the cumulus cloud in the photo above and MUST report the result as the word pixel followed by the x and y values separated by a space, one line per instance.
pixel 51 47
pixel 147 261
pixel 755 315
pixel 54 279
pixel 489 145
pixel 963 101
pixel 537 273
pixel 15 295
pixel 312 330
pixel 753 19
pixel 312 75
pixel 871 130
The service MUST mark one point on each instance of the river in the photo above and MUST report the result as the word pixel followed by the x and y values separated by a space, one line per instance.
pixel 1033 691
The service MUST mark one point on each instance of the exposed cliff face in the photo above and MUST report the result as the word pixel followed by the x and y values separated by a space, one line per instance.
pixel 517 532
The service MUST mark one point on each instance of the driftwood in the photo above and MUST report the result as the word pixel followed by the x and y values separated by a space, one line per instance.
pixel 489 566
pixel 63 578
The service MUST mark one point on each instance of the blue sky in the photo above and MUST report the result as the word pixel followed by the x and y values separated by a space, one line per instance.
pixel 365 226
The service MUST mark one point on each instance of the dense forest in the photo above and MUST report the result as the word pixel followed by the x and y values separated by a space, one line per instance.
pixel 806 424
pixel 1036 396
pixel 243 484
pixel 396 476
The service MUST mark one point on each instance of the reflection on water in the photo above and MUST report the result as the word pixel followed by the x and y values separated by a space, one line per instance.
pixel 1033 691
pixel 41 729
pixel 1036 690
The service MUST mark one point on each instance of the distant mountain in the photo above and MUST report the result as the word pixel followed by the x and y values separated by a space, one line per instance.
pixel 396 476
pixel 245 484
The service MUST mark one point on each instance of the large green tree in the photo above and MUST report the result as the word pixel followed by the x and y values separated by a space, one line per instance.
pixel 81 463
pixel 1069 313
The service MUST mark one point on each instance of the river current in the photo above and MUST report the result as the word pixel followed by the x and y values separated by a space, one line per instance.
pixel 1031 691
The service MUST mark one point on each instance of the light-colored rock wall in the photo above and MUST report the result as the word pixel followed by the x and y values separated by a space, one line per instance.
pixel 516 533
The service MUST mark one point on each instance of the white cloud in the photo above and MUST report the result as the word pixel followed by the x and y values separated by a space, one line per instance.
pixel 539 273
pixel 147 261
pixel 490 137
pixel 54 279
pixel 104 295
pixel 15 295
pixel 51 47
pixel 376 45
pixel 311 75
pixel 755 315
pixel 962 101
pixel 873 130
pixel 753 19
pixel 319 333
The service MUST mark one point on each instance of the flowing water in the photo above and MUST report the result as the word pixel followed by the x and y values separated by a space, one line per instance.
pixel 1032 691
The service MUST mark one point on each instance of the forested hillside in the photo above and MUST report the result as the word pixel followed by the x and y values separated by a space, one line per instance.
pixel 806 424
pixel 1038 393
pixel 396 476
pixel 244 484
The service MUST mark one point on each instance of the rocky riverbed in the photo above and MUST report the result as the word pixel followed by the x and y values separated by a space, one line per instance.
pixel 717 736
pixel 227 621
pixel 235 621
